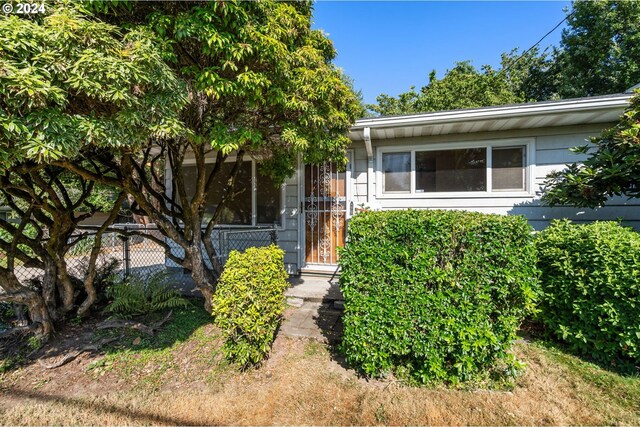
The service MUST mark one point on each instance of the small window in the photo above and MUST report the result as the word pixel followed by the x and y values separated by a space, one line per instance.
pixel 268 199
pixel 238 210
pixel 451 170
pixel 397 172
pixel 507 169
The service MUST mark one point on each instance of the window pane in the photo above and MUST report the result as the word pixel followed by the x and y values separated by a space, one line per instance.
pixel 397 172
pixel 451 170
pixel 238 210
pixel 507 169
pixel 268 199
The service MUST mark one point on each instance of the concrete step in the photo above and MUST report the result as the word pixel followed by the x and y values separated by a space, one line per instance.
pixel 314 289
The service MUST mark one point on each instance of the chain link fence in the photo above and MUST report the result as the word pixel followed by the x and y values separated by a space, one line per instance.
pixel 141 254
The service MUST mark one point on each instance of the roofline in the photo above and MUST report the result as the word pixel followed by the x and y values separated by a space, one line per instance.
pixel 503 111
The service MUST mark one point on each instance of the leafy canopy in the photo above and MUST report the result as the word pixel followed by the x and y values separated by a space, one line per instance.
pixel 600 49
pixel 260 79
pixel 67 81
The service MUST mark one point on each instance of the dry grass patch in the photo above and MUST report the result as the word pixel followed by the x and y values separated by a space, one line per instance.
pixel 302 383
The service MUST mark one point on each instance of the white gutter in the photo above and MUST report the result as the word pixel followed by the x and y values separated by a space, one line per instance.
pixel 488 113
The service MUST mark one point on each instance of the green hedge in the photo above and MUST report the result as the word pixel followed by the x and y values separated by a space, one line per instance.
pixel 249 302
pixel 590 289
pixel 435 296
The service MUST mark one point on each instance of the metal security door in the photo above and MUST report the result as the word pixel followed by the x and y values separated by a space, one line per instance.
pixel 325 211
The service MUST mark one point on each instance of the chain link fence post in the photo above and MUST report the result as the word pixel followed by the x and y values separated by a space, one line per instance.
pixel 126 255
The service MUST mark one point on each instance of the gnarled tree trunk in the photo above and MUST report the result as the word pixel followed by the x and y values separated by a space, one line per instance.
pixel 17 293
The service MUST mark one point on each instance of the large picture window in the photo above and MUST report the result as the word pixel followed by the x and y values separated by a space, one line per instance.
pixel 457 170
pixel 451 170
pixel 241 210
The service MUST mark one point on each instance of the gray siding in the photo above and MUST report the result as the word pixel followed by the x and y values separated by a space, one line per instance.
pixel 551 153
pixel 288 236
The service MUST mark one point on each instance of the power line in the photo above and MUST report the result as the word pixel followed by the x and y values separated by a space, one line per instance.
pixel 504 70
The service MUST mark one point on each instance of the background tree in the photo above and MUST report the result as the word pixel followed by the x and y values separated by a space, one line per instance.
pixel 68 84
pixel 600 49
pixel 261 85
pixel 462 87
pixel 528 74
pixel 599 54
pixel 612 168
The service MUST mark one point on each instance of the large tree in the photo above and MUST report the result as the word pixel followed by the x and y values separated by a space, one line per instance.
pixel 462 87
pixel 600 49
pixel 261 85
pixel 612 168
pixel 68 84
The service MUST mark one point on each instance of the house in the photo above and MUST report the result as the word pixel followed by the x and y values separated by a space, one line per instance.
pixel 491 160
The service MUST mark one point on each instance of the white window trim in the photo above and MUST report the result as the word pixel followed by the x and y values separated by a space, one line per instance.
pixel 529 144
pixel 254 195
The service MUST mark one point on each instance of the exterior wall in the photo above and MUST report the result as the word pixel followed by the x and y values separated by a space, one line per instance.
pixel 550 151
pixel 287 232
pixel 288 235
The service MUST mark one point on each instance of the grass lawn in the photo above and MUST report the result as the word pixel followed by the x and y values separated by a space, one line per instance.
pixel 180 377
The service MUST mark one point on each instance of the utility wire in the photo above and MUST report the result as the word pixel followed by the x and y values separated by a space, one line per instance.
pixel 504 70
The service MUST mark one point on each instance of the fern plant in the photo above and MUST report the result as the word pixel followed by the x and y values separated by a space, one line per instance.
pixel 138 295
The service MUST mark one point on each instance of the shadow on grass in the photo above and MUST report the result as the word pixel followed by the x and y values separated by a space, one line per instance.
pixel 74 338
pixel 92 405
pixel 182 324
pixel 534 331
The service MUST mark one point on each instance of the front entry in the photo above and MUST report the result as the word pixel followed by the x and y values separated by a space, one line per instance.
pixel 325 213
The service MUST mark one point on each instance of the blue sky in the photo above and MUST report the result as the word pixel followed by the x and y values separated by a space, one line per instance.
pixel 388 46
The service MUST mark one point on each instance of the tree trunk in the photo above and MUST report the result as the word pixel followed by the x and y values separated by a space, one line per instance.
pixel 67 292
pixel 19 294
pixel 201 275
pixel 49 281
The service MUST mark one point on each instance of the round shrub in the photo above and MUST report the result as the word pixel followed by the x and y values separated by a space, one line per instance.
pixel 249 301
pixel 435 296
pixel 590 289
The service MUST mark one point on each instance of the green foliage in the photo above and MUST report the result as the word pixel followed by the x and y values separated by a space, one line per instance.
pixel 249 302
pixel 600 49
pixel 142 294
pixel 69 81
pixel 435 296
pixel 527 74
pixel 34 343
pixel 590 289
pixel 7 313
pixel 612 169
pixel 599 54
pixel 261 79
pixel 462 87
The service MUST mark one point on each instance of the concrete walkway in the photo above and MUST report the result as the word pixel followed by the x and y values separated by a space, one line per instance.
pixel 314 288
pixel 315 309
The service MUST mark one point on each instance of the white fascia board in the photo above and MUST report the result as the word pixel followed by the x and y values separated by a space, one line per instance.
pixel 508 111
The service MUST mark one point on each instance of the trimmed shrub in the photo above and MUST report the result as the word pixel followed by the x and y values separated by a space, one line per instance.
pixel 590 289
pixel 435 296
pixel 249 302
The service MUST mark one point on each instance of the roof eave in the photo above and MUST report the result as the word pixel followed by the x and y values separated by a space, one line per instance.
pixel 489 113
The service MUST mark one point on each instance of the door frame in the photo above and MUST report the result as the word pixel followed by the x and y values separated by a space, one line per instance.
pixel 302 242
